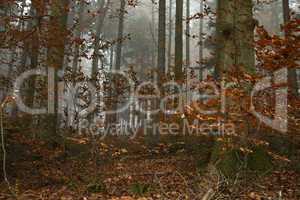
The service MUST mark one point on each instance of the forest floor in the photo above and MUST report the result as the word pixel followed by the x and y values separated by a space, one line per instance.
pixel 129 169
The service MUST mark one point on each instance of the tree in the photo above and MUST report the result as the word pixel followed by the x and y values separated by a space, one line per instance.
pixel 201 42
pixel 120 35
pixel 235 36
pixel 56 51
pixel 78 32
pixel 33 55
pixel 161 62
pixel 187 35
pixel 235 55
pixel 286 11
pixel 119 49
pixel 178 40
pixel 99 25
pixel 170 34
pixel 292 75
pixel 153 33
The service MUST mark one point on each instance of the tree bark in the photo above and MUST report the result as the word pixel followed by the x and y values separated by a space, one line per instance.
pixel 120 35
pixel 56 51
pixel 77 46
pixel 235 37
pixel 179 40
pixel 34 55
pixel 187 37
pixel 286 11
pixel 292 74
pixel 119 46
pixel 201 43
pixel 161 62
pixel 99 25
pixel 170 34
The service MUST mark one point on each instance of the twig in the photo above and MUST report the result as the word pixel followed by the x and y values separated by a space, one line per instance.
pixel 161 186
pixel 208 195
pixel 3 146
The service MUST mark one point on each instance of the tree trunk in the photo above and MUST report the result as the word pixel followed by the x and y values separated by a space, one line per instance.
pixel 187 36
pixel 292 75
pixel 161 62
pixel 111 58
pixel 77 45
pixel 99 25
pixel 120 35
pixel 119 46
pixel 178 40
pixel 34 54
pixel 201 42
pixel 235 37
pixel 56 51
pixel 170 34
pixel 153 34
pixel 153 132
pixel 286 11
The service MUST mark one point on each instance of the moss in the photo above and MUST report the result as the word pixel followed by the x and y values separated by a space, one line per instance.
pixel 230 164
pixel 227 162
pixel 260 161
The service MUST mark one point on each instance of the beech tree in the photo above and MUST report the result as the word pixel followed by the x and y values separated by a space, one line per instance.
pixel 170 35
pixel 235 54
pixel 161 62
pixel 292 72
pixel 179 40
pixel 56 49
pixel 187 36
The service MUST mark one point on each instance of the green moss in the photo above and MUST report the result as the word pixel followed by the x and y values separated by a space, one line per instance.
pixel 260 161
pixel 227 162
pixel 230 163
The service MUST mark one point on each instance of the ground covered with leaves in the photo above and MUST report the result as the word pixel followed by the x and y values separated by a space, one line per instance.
pixel 177 168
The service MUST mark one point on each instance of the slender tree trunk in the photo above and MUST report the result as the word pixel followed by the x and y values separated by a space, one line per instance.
pixel 161 62
pixel 102 7
pixel 111 62
pixel 56 51
pixel 153 34
pixel 99 25
pixel 120 35
pixel 77 46
pixel 170 34
pixel 201 43
pixel 179 40
pixel 286 11
pixel 119 50
pixel 187 36
pixel 292 82
pixel 34 54
pixel 292 75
